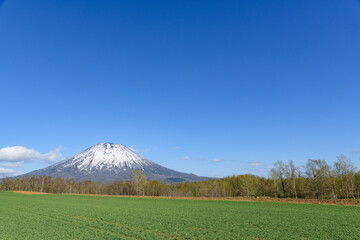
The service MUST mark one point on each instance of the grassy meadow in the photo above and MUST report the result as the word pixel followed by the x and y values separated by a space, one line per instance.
pixel 98 217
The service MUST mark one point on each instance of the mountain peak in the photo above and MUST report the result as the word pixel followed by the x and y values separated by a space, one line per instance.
pixel 108 145
pixel 108 156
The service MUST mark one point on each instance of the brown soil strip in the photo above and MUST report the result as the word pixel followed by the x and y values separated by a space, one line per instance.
pixel 28 192
pixel 350 202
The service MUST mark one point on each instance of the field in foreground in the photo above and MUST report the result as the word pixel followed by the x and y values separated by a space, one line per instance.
pixel 51 216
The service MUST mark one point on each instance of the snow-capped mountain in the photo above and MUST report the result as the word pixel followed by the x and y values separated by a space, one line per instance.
pixel 110 162
pixel 106 156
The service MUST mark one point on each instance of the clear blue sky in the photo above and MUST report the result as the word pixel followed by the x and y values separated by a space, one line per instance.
pixel 248 82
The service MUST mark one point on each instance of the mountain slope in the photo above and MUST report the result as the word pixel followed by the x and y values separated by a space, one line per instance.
pixel 109 162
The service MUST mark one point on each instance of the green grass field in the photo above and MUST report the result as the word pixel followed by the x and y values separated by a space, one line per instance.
pixel 96 217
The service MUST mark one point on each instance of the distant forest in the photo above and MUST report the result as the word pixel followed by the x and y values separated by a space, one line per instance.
pixel 316 180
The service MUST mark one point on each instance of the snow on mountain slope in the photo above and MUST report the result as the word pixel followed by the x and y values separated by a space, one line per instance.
pixel 106 156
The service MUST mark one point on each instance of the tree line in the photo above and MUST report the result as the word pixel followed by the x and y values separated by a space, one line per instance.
pixel 316 180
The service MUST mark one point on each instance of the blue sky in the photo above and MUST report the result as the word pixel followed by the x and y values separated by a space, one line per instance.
pixel 244 83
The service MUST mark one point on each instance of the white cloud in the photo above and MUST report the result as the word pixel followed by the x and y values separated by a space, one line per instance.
pixel 20 153
pixel 12 165
pixel 186 158
pixel 218 160
pixel 4 172
pixel 177 147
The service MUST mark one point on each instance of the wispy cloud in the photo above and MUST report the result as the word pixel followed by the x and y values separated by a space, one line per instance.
pixel 218 160
pixel 258 166
pixel 23 154
pixel 186 158
pixel 12 165
pixel 52 156
pixel 244 169
pixel 255 164
pixel 137 150
pixel 177 147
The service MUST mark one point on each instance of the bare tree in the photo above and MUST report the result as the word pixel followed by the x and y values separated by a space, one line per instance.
pixel 317 171
pixel 279 174
pixel 292 175
pixel 345 174
pixel 139 179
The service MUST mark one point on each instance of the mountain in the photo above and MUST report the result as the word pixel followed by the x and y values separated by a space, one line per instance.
pixel 105 162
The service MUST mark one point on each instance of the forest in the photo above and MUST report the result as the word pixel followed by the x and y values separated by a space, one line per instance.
pixel 316 180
